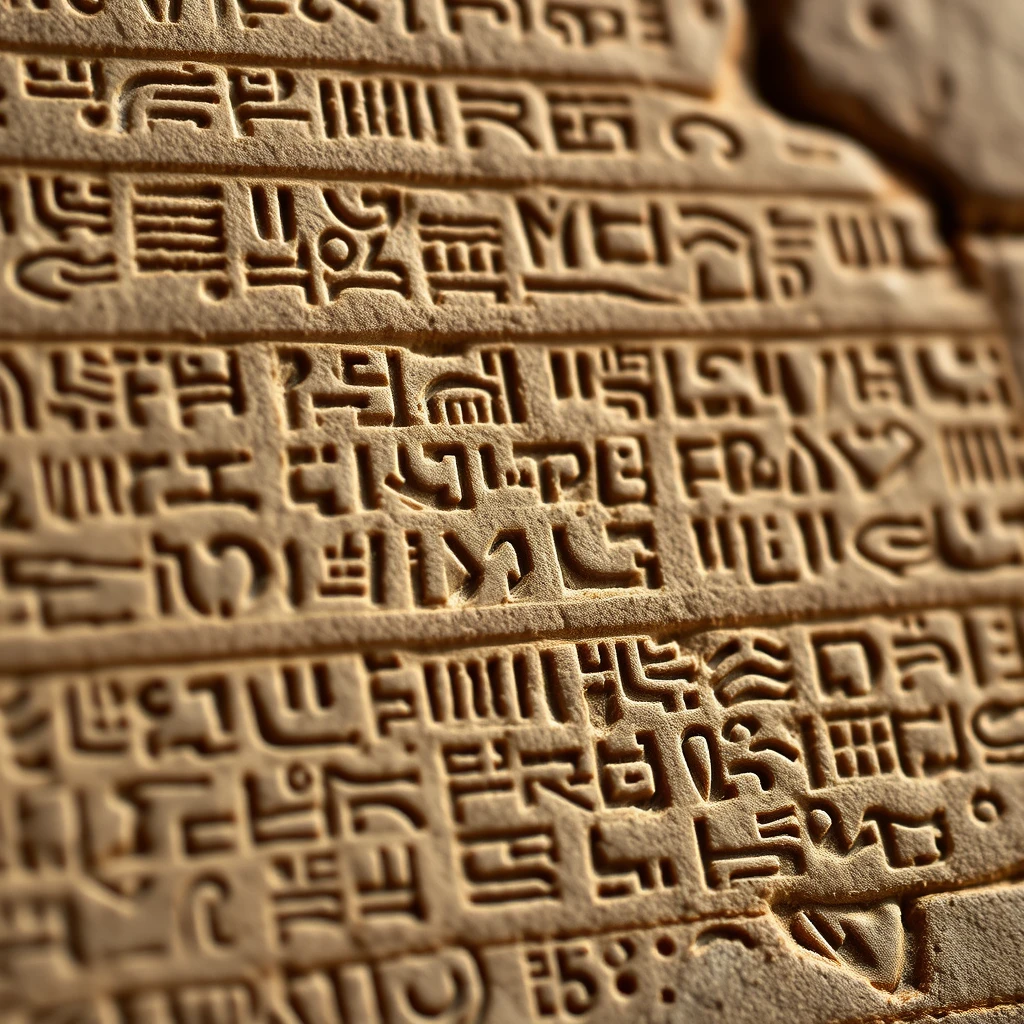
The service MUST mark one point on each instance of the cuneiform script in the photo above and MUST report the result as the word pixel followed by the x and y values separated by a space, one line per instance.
pixel 163 487
pixel 678 43
pixel 235 256
pixel 305 810
pixel 405 125
pixel 495 525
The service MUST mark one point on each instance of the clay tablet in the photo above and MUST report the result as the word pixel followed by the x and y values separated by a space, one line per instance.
pixel 497 526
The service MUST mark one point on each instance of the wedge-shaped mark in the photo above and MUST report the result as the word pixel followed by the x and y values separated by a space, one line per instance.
pixel 751 668
pixel 868 942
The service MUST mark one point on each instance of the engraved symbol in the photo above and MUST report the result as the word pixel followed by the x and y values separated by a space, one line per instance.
pixel 987 807
pixel 206 914
pixel 187 96
pixel 592 122
pixel 464 253
pixel 515 13
pixel 897 543
pixel 751 668
pixel 847 663
pixel 761 845
pixel 870 943
pixel 999 725
pixel 353 252
pixel 585 24
pixel 265 96
pixel 381 108
pixel 698 134
pixel 224 576
pixel 877 451
pixel 56 274
pixel 181 229
pixel 965 375
pixel 487 108
pixel 71 79
pixel 612 556
pixel 724 255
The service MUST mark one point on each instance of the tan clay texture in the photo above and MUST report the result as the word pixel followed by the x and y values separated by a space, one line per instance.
pixel 934 81
pixel 497 525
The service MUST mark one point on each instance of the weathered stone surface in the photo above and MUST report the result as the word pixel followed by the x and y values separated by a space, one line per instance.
pixel 495 525
pixel 684 44
pixel 933 81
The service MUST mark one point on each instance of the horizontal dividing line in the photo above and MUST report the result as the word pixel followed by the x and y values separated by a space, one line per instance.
pixel 431 342
pixel 357 65
pixel 683 629
pixel 422 182
pixel 267 640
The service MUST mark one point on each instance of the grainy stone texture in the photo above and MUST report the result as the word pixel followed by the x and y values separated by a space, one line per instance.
pixel 933 83
pixel 932 80
pixel 496 525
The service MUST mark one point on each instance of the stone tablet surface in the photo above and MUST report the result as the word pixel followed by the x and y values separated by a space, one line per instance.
pixel 497 525
pixel 935 81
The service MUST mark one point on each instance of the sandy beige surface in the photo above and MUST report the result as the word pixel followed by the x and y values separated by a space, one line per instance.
pixel 499 524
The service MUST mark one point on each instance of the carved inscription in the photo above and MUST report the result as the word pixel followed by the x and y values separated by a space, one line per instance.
pixel 682 45
pixel 489 129
pixel 212 486
pixel 304 810
pixel 230 252
pixel 495 525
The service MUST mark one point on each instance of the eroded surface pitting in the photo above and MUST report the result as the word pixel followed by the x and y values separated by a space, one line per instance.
pixel 495 525
pixel 932 81
pixel 933 84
